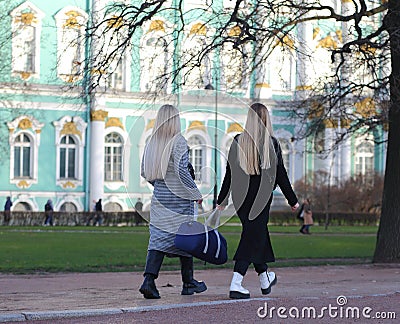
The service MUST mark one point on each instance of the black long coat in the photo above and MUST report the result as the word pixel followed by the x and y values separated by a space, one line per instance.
pixel 252 194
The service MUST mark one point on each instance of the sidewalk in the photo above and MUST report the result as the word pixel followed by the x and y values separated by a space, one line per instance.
pixel 68 295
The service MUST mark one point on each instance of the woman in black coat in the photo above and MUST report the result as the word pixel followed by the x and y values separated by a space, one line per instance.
pixel 254 169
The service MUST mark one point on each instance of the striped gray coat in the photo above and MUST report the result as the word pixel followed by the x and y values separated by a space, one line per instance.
pixel 172 200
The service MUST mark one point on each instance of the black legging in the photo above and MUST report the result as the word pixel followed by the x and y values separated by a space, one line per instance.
pixel 241 266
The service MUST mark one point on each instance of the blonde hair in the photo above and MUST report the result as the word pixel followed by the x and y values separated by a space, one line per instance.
pixel 158 149
pixel 254 143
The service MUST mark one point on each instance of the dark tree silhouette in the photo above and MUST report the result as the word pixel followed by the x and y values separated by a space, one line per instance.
pixel 360 94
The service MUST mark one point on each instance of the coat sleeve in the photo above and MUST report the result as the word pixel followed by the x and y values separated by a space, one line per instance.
pixel 225 188
pixel 282 179
pixel 181 161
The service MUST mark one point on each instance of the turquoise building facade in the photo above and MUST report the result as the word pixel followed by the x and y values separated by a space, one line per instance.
pixel 62 140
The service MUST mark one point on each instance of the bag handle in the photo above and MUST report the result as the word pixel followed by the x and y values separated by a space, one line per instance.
pixel 218 242
pixel 215 213
pixel 206 222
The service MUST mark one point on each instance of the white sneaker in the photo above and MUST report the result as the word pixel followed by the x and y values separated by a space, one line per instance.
pixel 267 280
pixel 236 290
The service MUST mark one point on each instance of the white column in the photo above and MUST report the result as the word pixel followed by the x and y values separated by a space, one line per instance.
pixel 304 63
pixel 98 116
pixel 345 160
pixel 345 147
pixel 97 154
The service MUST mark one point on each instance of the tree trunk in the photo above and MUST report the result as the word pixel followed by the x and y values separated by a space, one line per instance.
pixel 388 240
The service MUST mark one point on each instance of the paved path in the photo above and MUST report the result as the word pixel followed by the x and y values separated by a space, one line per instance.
pixel 114 297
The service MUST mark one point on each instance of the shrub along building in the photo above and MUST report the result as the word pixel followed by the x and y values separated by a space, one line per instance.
pixel 65 140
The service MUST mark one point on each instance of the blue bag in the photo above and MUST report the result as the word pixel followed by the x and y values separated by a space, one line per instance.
pixel 202 242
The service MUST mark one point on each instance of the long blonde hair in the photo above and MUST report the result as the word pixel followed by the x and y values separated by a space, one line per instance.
pixel 158 149
pixel 254 143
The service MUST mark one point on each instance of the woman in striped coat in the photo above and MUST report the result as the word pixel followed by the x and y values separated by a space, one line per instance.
pixel 165 165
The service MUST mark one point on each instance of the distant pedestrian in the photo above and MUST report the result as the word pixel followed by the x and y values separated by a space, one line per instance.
pixel 98 219
pixel 138 211
pixel 7 211
pixel 306 215
pixel 48 210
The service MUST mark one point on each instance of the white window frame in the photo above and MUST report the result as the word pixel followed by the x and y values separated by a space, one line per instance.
pixel 196 151
pixel 32 128
pixel 68 147
pixel 285 136
pixel 70 200
pixel 119 155
pixel 68 70
pixel 71 203
pixel 114 185
pixel 21 145
pixel 360 158
pixel 206 143
pixel 280 79
pixel 79 135
pixel 32 206
pixel 229 54
pixel 27 14
pixel 147 54
pixel 116 80
pixel 110 38
pixel 286 150
pixel 150 70
pixel 192 76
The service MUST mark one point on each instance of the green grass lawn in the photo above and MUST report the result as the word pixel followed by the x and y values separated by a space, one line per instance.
pixel 88 249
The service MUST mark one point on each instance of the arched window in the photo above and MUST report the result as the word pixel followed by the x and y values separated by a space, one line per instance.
pixel 70 143
pixel 26 28
pixel 68 207
pixel 116 78
pixel 319 139
pixel 68 156
pixel 22 206
pixel 282 66
pixel 235 61
pixel 285 147
pixel 197 71
pixel 197 156
pixel 25 38
pixel 364 159
pixel 71 24
pixel 24 139
pixel 155 64
pixel 234 69
pixel 112 207
pixel 22 156
pixel 113 167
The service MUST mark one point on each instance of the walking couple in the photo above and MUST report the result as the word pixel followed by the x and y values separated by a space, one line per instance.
pixel 254 169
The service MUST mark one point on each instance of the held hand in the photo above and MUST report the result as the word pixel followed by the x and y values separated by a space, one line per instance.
pixel 219 207
pixel 295 207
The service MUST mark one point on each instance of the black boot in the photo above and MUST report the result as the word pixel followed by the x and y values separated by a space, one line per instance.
pixel 153 265
pixel 148 288
pixel 190 285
